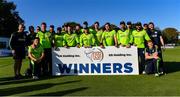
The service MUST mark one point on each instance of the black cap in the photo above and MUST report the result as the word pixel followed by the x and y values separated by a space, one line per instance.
pixel 52 26
pixel 138 24
pixel 85 23
pixel 122 22
pixel 129 23
pixel 59 28
pixel 31 27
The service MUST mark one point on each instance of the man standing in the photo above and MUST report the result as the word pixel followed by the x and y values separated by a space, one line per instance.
pixel 139 36
pixel 158 41
pixel 45 41
pixel 70 39
pixel 124 36
pixel 58 38
pixel 109 36
pixel 87 39
pixel 30 39
pixel 18 42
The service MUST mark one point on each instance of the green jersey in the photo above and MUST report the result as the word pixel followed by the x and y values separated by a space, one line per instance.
pixel 78 33
pixel 140 37
pixel 71 40
pixel 45 39
pixel 92 31
pixel 124 37
pixel 58 40
pixel 108 38
pixel 36 52
pixel 87 40
pixel 98 37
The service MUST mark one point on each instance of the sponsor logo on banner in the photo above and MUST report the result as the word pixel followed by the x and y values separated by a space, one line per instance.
pixel 94 54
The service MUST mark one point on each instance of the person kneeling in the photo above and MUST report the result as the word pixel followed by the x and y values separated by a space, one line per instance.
pixel 152 59
pixel 36 54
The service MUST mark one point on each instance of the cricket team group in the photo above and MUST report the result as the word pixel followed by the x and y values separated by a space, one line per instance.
pixel 39 41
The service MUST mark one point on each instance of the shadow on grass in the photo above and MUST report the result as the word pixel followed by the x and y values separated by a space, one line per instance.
pixel 1 66
pixel 10 80
pixel 62 93
pixel 171 67
pixel 30 88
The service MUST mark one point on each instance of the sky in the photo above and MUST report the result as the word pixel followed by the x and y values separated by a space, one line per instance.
pixel 164 13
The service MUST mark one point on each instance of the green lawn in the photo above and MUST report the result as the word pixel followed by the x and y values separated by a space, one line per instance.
pixel 95 85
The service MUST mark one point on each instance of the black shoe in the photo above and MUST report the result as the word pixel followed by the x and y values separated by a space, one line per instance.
pixel 20 76
pixel 16 77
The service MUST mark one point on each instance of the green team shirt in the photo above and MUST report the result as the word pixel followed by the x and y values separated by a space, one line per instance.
pixel 124 37
pixel 79 33
pixel 36 52
pixel 71 40
pixel 98 37
pixel 92 31
pixel 108 38
pixel 58 40
pixel 87 40
pixel 45 39
pixel 140 37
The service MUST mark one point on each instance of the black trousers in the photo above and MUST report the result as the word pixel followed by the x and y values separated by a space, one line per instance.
pixel 141 60
pixel 37 69
pixel 161 64
pixel 47 62
pixel 152 66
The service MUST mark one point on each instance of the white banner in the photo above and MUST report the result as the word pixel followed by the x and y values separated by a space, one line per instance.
pixel 95 61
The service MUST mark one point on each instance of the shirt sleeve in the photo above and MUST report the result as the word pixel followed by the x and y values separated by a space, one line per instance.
pixel 146 36
pixel 12 41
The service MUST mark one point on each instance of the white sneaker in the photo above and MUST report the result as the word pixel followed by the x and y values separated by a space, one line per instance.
pixel 156 74
pixel 35 77
pixel 161 73
pixel 143 72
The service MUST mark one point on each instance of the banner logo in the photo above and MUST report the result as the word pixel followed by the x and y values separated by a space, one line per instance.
pixel 94 54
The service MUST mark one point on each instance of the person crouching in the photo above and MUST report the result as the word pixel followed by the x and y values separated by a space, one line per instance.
pixel 36 54
pixel 152 59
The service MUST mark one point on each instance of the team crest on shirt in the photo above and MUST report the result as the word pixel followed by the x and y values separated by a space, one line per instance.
pixel 94 54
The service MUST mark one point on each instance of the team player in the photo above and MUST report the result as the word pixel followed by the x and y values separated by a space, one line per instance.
pixel 124 36
pixel 152 59
pixel 52 31
pixel 158 41
pixel 45 41
pixel 30 39
pixel 78 31
pixel 98 33
pixel 58 38
pixel 71 39
pixel 36 54
pixel 31 36
pixel 109 36
pixel 139 37
pixel 87 39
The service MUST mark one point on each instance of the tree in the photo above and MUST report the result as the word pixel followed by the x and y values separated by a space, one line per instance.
pixel 9 18
pixel 170 35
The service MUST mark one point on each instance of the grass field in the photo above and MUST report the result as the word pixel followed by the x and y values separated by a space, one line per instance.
pixel 167 85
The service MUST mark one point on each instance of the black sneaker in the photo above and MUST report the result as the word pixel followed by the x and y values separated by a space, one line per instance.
pixel 16 77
